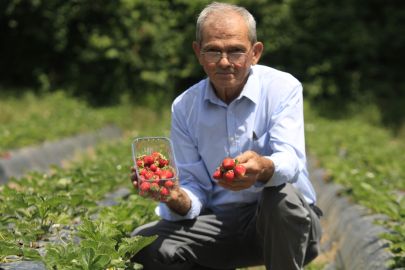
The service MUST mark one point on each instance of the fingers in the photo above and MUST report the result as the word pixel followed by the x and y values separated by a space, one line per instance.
pixel 236 185
pixel 135 183
pixel 134 177
pixel 243 158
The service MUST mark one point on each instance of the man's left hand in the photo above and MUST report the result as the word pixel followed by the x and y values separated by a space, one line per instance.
pixel 258 168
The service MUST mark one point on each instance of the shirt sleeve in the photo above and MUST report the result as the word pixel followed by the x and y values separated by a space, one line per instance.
pixel 193 175
pixel 287 138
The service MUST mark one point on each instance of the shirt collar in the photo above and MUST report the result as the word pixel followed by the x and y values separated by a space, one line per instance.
pixel 251 90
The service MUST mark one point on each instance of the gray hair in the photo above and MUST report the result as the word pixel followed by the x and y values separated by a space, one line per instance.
pixel 219 9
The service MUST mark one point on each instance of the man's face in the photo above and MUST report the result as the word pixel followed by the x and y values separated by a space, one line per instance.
pixel 226 34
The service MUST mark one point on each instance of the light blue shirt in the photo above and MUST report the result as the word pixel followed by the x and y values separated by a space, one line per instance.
pixel 205 131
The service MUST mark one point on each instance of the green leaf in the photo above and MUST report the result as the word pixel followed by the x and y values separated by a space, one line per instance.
pixel 10 192
pixel 106 230
pixel 33 199
pixel 10 219
pixel 62 219
pixel 89 244
pixel 76 199
pixel 52 257
pixel 88 229
pixel 37 231
pixel 22 212
pixel 10 247
pixel 27 238
pixel 18 202
pixel 55 200
pixel 88 203
pixel 131 246
pixel 108 250
pixel 32 254
pixel 89 260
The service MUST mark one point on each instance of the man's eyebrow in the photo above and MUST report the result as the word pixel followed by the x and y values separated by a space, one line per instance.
pixel 232 47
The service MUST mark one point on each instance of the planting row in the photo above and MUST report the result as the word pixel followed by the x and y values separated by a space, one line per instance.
pixel 42 204
pixel 369 163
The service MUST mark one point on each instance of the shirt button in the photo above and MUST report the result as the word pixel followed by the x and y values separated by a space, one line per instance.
pixel 230 112
pixel 232 139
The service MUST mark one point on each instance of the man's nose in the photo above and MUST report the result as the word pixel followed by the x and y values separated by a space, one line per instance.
pixel 224 62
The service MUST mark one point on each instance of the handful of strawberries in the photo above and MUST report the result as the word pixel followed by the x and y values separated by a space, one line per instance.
pixel 155 176
pixel 229 169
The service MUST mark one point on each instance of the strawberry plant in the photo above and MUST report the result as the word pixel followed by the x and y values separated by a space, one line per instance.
pixel 368 162
pixel 42 204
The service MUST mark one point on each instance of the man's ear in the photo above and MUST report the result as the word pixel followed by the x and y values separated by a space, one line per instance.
pixel 196 48
pixel 257 52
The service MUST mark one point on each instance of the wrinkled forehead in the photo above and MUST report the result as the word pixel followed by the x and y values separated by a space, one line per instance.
pixel 224 26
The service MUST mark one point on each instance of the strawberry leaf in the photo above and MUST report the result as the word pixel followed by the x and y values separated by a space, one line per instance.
pixel 32 254
pixel 130 246
pixel 76 199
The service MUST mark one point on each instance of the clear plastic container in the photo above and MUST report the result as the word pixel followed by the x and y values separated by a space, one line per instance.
pixel 156 189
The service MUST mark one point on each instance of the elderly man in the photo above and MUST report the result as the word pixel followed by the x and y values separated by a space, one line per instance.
pixel 247 112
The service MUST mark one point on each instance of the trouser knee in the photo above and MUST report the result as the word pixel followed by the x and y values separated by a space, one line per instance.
pixel 280 205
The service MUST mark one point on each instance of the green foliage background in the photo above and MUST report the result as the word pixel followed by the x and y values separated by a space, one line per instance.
pixel 345 52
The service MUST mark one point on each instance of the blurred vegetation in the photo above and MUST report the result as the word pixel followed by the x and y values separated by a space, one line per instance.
pixel 346 53
pixel 33 119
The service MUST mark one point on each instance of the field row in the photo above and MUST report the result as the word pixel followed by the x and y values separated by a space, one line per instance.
pixel 44 204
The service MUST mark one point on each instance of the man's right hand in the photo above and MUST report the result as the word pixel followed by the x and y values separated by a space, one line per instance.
pixel 179 203
pixel 134 177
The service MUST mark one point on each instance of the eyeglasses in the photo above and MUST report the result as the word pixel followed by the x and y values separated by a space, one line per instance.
pixel 234 58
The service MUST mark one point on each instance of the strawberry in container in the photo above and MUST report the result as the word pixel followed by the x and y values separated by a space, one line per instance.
pixel 156 167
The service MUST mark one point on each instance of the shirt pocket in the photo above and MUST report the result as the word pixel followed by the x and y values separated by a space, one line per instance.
pixel 261 145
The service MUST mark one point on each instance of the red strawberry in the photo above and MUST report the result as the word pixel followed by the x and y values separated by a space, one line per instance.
pixel 145 186
pixel 156 156
pixel 148 160
pixel 168 184
pixel 153 167
pixel 140 163
pixel 158 171
pixel 239 170
pixel 218 174
pixel 163 162
pixel 166 174
pixel 164 191
pixel 149 175
pixel 228 164
pixel 228 176
pixel 144 171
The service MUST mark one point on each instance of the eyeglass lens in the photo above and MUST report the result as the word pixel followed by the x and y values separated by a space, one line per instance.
pixel 235 58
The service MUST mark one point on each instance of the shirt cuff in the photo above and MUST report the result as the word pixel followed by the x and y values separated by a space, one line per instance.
pixel 165 212
pixel 283 173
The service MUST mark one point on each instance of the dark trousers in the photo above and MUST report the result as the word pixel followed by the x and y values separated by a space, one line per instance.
pixel 281 231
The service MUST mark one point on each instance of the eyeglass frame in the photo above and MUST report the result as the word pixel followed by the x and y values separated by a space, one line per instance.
pixel 227 57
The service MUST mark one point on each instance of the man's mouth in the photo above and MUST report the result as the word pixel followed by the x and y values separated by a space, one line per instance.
pixel 223 72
